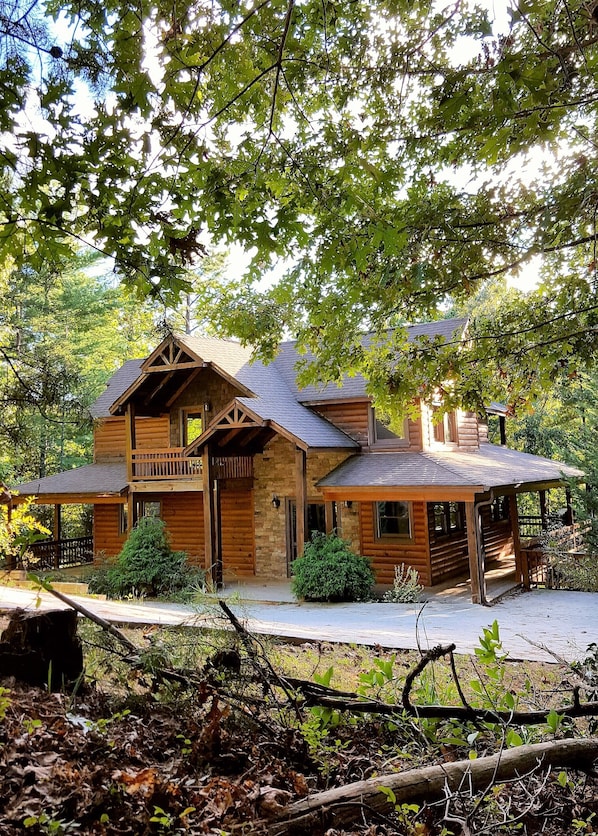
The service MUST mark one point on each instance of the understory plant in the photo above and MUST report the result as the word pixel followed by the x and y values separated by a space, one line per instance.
pixel 147 566
pixel 406 588
pixel 329 570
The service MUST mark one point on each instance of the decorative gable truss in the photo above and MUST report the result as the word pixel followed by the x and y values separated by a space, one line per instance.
pixel 236 431
pixel 170 355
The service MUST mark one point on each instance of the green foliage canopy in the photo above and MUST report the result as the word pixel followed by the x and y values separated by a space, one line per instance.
pixel 367 145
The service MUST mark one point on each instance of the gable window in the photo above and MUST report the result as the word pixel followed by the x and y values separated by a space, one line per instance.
pixel 393 519
pixel 448 518
pixel 391 430
pixel 499 510
pixel 192 424
pixel 444 429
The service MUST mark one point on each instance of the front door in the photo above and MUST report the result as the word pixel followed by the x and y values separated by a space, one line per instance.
pixel 316 521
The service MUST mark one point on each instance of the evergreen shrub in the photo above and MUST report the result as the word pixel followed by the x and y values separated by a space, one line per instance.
pixel 329 571
pixel 147 566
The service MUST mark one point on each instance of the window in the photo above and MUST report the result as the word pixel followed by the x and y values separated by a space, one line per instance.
pixel 448 518
pixel 499 510
pixel 444 429
pixel 147 508
pixel 393 519
pixel 191 424
pixel 123 519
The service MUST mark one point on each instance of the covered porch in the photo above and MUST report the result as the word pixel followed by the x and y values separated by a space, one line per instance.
pixel 492 554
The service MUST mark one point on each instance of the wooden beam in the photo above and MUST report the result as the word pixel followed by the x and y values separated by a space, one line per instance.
pixel 301 497
pixel 158 388
pixel 183 386
pixel 473 551
pixel 130 438
pixel 329 516
pixel 543 513
pixel 407 493
pixel 228 437
pixel 520 573
pixel 213 552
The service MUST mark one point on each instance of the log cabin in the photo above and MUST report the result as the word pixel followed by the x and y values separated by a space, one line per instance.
pixel 243 465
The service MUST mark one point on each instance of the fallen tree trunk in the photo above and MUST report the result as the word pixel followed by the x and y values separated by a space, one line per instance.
pixel 344 805
pixel 42 648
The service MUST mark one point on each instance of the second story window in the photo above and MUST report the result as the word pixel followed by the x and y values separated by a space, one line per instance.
pixel 192 424
pixel 391 429
pixel 444 428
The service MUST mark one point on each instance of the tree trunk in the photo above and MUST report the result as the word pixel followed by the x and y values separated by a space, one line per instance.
pixel 343 805
pixel 42 648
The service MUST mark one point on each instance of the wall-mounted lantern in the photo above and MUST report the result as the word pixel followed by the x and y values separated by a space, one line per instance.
pixel 275 501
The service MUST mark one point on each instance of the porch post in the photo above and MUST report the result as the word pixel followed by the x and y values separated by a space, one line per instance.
pixel 57 534
pixel 569 514
pixel 521 576
pixel 213 560
pixel 301 497
pixel 130 439
pixel 476 570
pixel 329 516
pixel 543 510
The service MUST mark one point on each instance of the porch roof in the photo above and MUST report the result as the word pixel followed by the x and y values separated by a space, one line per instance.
pixel 89 481
pixel 490 467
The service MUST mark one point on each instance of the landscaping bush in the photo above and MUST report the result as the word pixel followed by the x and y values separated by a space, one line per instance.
pixel 329 571
pixel 406 588
pixel 147 566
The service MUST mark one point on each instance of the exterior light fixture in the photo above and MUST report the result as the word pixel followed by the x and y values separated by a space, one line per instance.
pixel 349 504
pixel 275 501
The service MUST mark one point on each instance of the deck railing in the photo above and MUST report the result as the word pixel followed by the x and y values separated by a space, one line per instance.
pixel 171 463
pixel 58 554
pixel 538 553
pixel 533 526
pixel 163 463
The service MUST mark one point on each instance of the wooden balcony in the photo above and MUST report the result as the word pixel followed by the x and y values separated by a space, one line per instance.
pixel 171 464
pixel 166 463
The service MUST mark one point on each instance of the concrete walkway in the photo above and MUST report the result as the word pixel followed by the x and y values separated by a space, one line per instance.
pixel 563 622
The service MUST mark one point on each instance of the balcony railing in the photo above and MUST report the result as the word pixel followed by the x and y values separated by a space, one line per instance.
pixel 58 554
pixel 167 463
pixel 171 463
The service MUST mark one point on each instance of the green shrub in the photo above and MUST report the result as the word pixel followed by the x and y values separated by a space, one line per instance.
pixel 329 571
pixel 577 572
pixel 406 588
pixel 147 566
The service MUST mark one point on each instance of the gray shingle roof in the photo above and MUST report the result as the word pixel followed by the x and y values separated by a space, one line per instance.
pixel 89 480
pixel 491 467
pixel 300 422
pixel 354 387
pixel 277 396
pixel 118 383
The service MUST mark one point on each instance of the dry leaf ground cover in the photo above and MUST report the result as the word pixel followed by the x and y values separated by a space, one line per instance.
pixel 134 753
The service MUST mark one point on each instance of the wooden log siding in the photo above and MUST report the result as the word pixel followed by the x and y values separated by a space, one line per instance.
pixel 236 532
pixel 498 538
pixel 387 553
pixel 352 418
pixel 110 440
pixel 183 515
pixel 467 430
pixel 107 540
pixel 448 552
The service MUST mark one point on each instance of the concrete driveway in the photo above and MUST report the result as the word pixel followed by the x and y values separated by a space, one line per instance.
pixel 564 623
